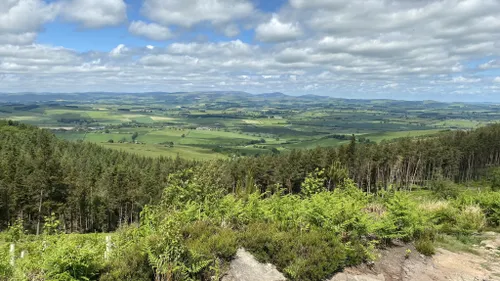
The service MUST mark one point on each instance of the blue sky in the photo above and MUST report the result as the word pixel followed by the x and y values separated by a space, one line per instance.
pixel 443 50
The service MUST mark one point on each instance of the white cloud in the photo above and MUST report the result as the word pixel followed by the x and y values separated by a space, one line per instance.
pixel 231 30
pixel 307 4
pixel 228 50
pixel 151 31
pixel 497 79
pixel 291 55
pixel 36 55
pixel 18 39
pixel 20 16
pixel 118 50
pixel 277 31
pixel 461 79
pixel 390 86
pixel 190 12
pixel 490 64
pixel 20 20
pixel 271 76
pixel 95 13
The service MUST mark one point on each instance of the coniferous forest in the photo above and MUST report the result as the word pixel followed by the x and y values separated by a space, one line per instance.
pixel 309 212
pixel 91 188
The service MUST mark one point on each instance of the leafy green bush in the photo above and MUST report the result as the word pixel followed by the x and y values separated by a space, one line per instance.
pixel 445 188
pixel 313 183
pixel 489 202
pixel 302 255
pixel 166 251
pixel 207 240
pixel 74 257
pixel 129 264
pixel 425 247
pixel 210 247
pixel 51 224
pixel 442 214
pixel 494 178
pixel 15 231
pixel 58 257
pixel 128 260
pixel 6 271
pixel 180 246
pixel 404 220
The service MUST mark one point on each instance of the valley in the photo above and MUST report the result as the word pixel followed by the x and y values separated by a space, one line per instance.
pixel 214 125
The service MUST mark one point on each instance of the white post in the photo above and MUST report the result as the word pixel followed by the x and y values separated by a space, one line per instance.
pixel 12 254
pixel 108 247
pixel 23 254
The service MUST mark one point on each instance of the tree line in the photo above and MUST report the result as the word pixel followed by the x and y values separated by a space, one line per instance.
pixel 91 188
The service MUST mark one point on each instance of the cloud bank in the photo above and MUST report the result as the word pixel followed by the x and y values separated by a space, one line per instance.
pixel 447 49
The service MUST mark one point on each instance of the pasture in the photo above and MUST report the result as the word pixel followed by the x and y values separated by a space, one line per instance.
pixel 218 125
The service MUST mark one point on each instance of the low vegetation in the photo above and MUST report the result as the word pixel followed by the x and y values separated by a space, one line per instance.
pixel 192 235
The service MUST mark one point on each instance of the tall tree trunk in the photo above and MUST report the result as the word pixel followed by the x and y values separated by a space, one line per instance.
pixel 39 213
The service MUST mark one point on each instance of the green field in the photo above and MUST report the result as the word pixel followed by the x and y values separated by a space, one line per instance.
pixel 157 150
pixel 218 125
pixel 377 137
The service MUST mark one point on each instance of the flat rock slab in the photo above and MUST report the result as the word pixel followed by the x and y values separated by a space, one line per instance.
pixel 245 267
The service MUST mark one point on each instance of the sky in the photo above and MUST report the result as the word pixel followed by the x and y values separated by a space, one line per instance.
pixel 402 49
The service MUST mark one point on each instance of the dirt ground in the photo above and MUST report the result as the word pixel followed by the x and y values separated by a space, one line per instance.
pixel 393 265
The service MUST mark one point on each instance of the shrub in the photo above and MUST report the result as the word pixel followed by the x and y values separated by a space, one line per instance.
pixel 128 260
pixel 488 201
pixel 425 247
pixel 74 258
pixel 494 177
pixel 15 231
pixel 166 251
pixel 445 188
pixel 403 220
pixel 407 253
pixel 129 263
pixel 207 240
pixel 313 183
pixel 6 271
pixel 441 214
pixel 210 248
pixel 302 255
pixel 470 219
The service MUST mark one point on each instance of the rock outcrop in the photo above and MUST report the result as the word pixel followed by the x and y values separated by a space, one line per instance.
pixel 246 268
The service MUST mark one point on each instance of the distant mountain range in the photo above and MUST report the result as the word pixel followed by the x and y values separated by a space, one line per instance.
pixel 207 96
pixel 44 97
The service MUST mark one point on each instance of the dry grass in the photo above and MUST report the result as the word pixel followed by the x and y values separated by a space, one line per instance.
pixel 434 206
pixel 472 217
pixel 376 209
